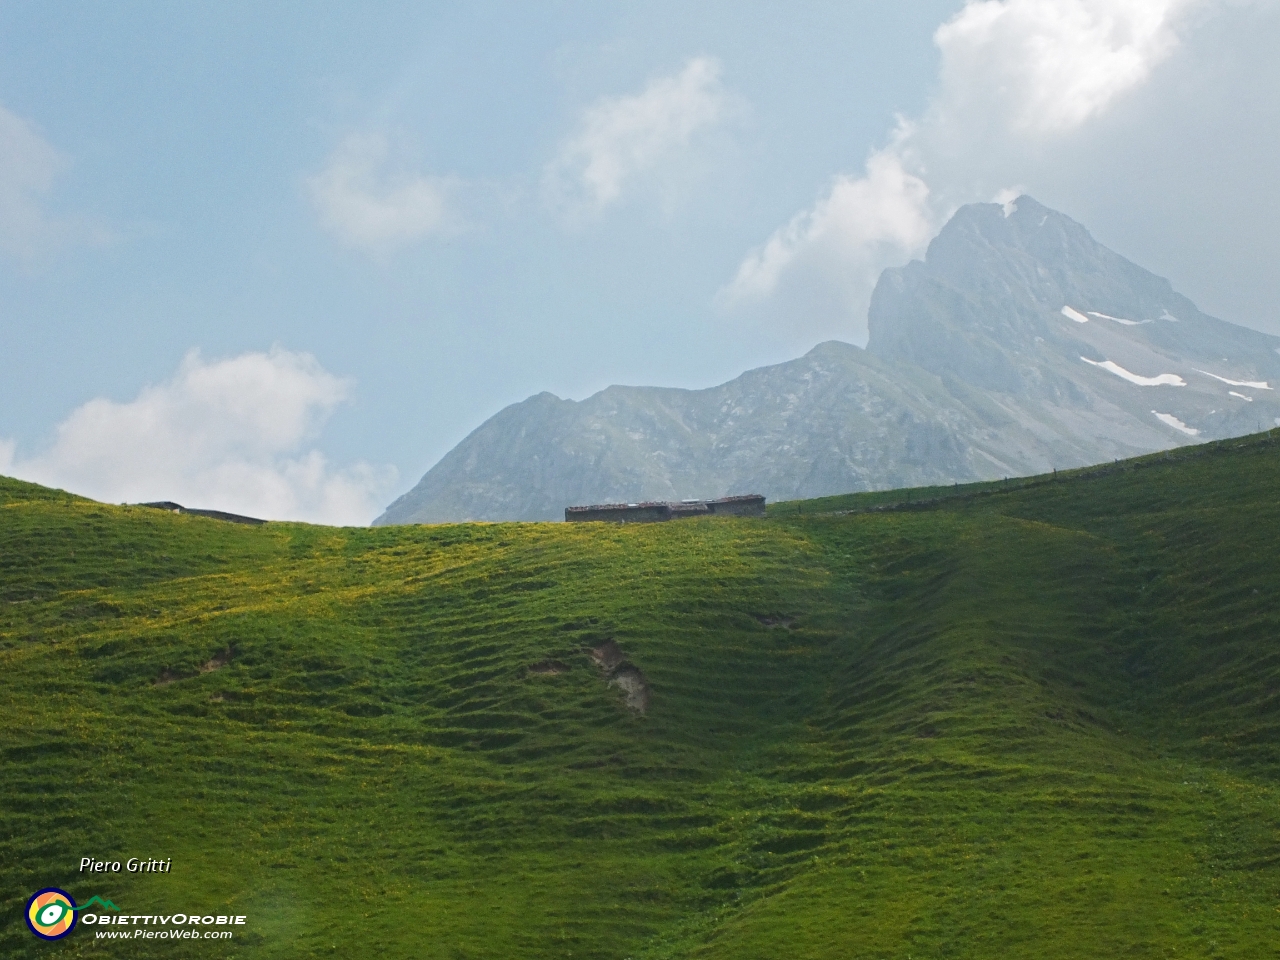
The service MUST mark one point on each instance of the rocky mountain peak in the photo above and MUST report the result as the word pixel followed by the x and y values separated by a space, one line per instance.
pixel 1020 343
pixel 992 286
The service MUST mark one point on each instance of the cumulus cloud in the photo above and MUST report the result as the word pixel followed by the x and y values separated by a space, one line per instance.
pixel 29 167
pixel 860 226
pixel 1045 67
pixel 223 434
pixel 1016 76
pixel 621 139
pixel 365 206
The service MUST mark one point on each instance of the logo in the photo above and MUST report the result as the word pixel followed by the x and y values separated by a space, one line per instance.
pixel 51 913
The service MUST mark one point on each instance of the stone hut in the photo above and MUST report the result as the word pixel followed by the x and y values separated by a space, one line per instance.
pixel 655 511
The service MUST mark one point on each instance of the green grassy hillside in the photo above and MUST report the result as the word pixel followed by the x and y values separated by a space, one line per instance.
pixel 1035 719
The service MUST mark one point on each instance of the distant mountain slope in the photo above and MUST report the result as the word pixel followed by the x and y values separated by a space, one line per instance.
pixel 1018 345
pixel 1074 340
pixel 836 419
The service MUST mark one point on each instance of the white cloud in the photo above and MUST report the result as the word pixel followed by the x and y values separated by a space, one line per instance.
pixel 857 229
pixel 620 139
pixel 1016 76
pixel 29 167
pixel 1045 67
pixel 225 434
pixel 364 206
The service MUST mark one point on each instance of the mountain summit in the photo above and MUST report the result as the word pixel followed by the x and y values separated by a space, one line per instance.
pixel 1019 344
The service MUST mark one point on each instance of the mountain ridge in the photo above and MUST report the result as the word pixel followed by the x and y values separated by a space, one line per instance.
pixel 976 367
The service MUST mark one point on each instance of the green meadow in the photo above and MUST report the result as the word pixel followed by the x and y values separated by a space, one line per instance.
pixel 1025 719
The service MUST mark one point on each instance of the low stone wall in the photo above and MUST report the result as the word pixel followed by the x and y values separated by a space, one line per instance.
pixel 748 506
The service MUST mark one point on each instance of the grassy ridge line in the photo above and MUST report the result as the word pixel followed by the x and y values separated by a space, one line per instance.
pixel 1023 724
pixel 927 497
pixel 15 491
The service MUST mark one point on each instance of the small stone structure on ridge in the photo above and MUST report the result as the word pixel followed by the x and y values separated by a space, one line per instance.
pixel 750 505
pixel 170 507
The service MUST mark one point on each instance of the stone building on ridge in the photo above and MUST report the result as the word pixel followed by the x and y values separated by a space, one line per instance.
pixel 656 511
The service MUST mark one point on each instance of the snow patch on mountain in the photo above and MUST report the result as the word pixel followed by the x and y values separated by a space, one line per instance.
pixel 1164 379
pixel 1127 323
pixel 1255 384
pixel 1171 420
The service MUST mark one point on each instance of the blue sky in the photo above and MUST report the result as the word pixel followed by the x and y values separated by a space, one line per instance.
pixel 279 258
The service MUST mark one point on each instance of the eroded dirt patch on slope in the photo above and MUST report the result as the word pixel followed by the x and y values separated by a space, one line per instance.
pixel 774 620
pixel 621 673
pixel 219 659
pixel 216 662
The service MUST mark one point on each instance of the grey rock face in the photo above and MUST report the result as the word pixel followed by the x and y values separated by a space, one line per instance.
pixel 1019 344
pixel 1019 305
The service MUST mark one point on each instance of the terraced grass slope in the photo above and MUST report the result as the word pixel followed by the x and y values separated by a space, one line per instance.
pixel 1035 720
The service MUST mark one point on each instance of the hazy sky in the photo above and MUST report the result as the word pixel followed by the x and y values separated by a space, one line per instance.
pixel 279 258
